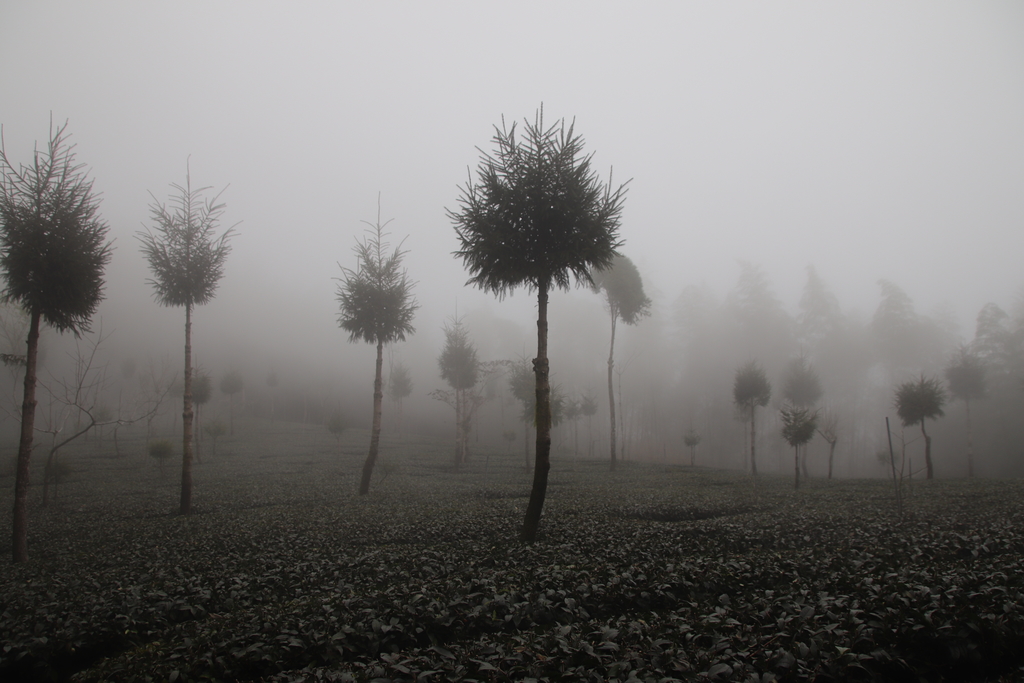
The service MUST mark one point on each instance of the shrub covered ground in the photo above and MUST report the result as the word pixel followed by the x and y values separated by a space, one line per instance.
pixel 653 573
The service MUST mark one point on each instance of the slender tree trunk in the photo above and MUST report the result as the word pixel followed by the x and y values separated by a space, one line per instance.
pixel 576 439
pixel 831 453
pixel 543 463
pixel 796 467
pixel 185 507
pixel 970 440
pixel 19 539
pixel 458 429
pixel 378 400
pixel 927 452
pixel 611 390
pixel 803 464
pixel 753 439
pixel 197 429
pixel 526 444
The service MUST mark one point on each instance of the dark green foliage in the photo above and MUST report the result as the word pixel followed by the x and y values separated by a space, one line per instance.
pixel 624 290
pixel 53 251
pixel 375 299
pixel 184 252
pixel 53 243
pixel 538 215
pixel 458 361
pixel 377 307
pixel 798 427
pixel 920 400
pixel 187 261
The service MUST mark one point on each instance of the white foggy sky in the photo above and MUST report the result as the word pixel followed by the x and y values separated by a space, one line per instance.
pixel 871 139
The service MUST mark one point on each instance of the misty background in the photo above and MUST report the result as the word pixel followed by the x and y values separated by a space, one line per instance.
pixel 871 142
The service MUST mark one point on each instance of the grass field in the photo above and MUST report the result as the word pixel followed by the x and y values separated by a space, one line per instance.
pixel 655 572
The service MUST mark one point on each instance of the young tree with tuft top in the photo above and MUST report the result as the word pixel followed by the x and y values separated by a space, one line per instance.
pixel 537 217
pixel 751 390
pixel 53 251
pixel 798 426
pixel 624 294
pixel 460 368
pixel 377 307
pixel 186 257
pixel 965 374
pixel 917 401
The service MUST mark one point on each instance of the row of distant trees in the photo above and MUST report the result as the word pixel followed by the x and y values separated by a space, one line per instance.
pixel 536 216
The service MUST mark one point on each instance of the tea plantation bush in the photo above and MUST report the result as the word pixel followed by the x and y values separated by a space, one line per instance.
pixel 653 573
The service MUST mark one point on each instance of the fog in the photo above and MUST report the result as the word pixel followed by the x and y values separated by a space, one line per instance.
pixel 870 141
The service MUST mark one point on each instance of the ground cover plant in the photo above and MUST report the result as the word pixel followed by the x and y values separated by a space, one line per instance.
pixel 657 572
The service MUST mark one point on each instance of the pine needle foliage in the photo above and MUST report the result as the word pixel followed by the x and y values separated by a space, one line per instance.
pixel 53 243
pixel 538 214
pixel 187 260
pixel 376 306
pixel 624 290
pixel 538 217
pixel 375 298
pixel 184 252
pixel 920 400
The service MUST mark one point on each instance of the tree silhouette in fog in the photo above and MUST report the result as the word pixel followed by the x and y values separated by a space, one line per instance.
pixel 460 369
pixel 751 390
pixel 231 383
pixel 965 375
pixel 801 388
pixel 377 307
pixel 187 260
pixel 53 252
pixel 624 294
pixel 820 315
pixel 537 217
pixel 692 439
pixel 917 401
pixel 798 425
pixel 399 388
pixel 202 392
